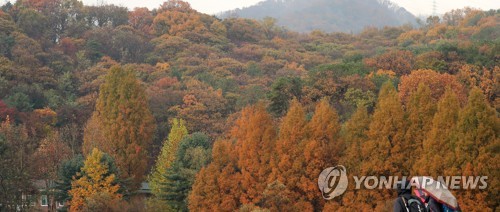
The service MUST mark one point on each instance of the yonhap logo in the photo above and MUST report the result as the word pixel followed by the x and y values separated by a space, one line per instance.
pixel 332 182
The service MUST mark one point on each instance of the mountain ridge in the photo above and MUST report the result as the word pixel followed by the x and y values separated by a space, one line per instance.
pixel 327 15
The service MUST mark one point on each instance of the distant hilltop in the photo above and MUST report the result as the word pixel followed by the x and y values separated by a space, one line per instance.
pixel 327 15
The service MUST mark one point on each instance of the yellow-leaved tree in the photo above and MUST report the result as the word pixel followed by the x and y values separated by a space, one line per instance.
pixel 96 189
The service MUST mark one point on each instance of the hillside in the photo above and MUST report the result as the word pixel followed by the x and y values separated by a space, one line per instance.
pixel 237 114
pixel 327 15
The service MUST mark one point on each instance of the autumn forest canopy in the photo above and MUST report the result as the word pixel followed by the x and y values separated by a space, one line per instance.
pixel 103 108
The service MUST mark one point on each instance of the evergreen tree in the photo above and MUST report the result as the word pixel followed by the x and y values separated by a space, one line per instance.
pixel 167 156
pixel 66 172
pixel 282 91
pixel 193 154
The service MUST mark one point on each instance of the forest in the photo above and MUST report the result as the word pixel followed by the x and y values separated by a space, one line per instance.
pixel 235 114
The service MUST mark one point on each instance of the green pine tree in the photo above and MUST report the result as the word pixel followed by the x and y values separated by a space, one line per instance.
pixel 194 152
pixel 167 156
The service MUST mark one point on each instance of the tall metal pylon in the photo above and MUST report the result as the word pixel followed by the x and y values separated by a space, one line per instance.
pixel 434 8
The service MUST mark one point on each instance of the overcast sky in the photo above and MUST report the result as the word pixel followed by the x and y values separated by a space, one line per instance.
pixel 417 7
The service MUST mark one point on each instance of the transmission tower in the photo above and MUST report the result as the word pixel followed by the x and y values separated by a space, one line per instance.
pixel 434 8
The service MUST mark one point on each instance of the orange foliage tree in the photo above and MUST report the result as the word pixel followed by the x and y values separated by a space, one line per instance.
pixel 125 123
pixel 420 111
pixel 355 137
pixel 255 137
pixel 386 149
pixel 477 146
pixel 257 162
pixel 399 61
pixel 439 142
pixel 323 148
pixel 289 152
pixel 437 83
pixel 246 165
pixel 216 187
